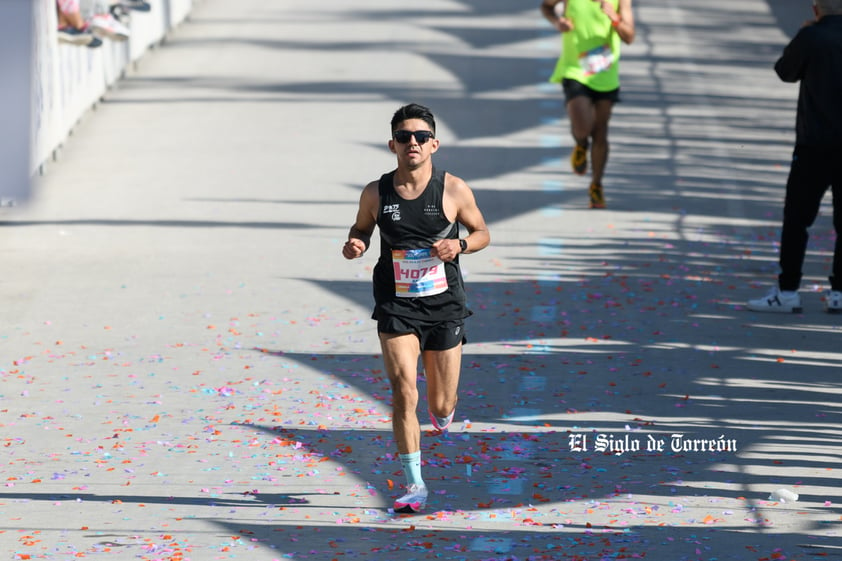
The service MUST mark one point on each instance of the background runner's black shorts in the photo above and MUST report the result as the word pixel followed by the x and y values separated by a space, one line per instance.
pixel 572 89
pixel 433 335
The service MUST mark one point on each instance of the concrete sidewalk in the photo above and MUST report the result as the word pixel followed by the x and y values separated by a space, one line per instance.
pixel 187 365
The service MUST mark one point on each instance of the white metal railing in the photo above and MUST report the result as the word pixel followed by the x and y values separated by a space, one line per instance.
pixel 68 80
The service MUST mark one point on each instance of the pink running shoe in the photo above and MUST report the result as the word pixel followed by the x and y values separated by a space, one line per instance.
pixel 441 423
pixel 414 500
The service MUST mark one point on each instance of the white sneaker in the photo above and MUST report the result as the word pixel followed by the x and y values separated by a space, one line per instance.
pixel 780 301
pixel 106 25
pixel 414 500
pixel 833 301
pixel 75 36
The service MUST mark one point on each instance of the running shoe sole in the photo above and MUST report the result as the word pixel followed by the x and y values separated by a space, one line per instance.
pixel 408 508
pixel 72 36
pixel 435 421
pixel 776 309
pixel 579 160
pixel 597 196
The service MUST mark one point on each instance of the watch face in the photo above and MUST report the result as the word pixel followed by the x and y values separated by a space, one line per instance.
pixel 463 245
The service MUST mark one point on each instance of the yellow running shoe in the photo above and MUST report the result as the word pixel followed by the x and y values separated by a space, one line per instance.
pixel 597 196
pixel 579 160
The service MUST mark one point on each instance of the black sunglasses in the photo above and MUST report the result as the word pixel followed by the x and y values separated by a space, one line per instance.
pixel 421 137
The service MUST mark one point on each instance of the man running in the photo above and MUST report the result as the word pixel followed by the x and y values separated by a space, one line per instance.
pixel 589 72
pixel 420 303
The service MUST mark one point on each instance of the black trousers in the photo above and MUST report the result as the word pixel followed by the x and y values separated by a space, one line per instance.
pixel 813 170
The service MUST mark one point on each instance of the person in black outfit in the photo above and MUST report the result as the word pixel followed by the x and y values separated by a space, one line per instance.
pixel 813 57
pixel 420 303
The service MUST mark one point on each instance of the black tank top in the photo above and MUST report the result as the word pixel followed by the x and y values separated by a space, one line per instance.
pixel 415 224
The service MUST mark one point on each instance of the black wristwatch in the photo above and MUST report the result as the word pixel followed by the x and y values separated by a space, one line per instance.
pixel 463 246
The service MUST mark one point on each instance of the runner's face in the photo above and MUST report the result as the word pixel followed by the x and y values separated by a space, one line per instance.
pixel 412 153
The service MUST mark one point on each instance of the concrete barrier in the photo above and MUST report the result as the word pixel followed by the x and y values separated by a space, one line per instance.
pixel 69 80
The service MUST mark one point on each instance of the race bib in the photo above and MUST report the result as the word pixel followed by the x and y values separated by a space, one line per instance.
pixel 417 273
pixel 596 60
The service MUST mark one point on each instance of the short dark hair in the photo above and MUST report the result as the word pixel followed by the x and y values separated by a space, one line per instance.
pixel 414 111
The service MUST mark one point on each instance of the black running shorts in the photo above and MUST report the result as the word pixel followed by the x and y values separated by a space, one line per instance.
pixel 572 89
pixel 432 335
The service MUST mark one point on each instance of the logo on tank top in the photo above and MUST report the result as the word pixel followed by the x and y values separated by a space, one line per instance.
pixel 394 210
pixel 431 210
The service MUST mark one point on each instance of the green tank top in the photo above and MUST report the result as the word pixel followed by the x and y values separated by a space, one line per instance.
pixel 590 54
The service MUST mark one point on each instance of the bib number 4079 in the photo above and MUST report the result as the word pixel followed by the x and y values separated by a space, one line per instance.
pixel 418 273
pixel 408 273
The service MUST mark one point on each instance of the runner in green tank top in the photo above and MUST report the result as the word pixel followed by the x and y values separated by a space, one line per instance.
pixel 588 70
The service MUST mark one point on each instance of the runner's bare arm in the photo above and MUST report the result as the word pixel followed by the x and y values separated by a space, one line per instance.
pixel 359 236
pixel 461 206
pixel 548 10
pixel 623 18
